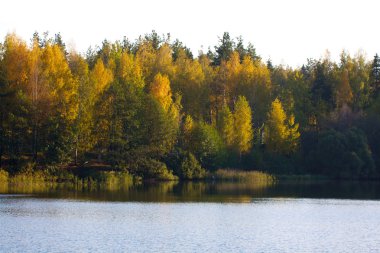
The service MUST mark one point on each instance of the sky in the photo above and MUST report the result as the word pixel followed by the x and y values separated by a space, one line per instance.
pixel 286 31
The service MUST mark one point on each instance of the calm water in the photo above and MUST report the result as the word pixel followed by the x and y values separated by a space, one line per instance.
pixel 193 217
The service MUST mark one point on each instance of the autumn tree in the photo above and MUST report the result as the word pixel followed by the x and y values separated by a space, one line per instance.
pixel 227 126
pixel 281 134
pixel 160 89
pixel 343 90
pixel 243 125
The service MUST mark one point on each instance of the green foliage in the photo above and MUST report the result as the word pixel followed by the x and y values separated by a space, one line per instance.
pixel 343 155
pixel 207 145
pixel 190 168
pixel 150 168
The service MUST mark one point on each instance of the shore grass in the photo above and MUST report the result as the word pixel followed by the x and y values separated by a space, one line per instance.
pixel 243 176
pixel 30 180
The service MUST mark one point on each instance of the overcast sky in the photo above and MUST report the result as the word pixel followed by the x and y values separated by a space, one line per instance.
pixel 287 31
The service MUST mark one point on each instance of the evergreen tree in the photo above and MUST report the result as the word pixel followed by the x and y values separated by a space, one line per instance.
pixel 224 50
pixel 375 75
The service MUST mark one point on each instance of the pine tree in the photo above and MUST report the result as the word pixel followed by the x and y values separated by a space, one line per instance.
pixel 375 75
pixel 224 50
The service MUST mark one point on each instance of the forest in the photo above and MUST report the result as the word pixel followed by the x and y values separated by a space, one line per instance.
pixel 155 110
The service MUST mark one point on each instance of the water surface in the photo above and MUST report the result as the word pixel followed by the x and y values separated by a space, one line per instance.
pixel 193 217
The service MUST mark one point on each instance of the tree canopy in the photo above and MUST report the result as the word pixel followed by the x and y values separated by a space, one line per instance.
pixel 153 108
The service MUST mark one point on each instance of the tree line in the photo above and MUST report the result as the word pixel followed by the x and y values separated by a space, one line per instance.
pixel 150 107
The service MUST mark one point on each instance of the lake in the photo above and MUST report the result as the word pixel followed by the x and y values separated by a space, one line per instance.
pixel 192 217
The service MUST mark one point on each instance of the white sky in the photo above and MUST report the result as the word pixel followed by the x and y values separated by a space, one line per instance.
pixel 287 31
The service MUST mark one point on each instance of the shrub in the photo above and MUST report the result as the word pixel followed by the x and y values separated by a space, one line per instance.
pixel 190 168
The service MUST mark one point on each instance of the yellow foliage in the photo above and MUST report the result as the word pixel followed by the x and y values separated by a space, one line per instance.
pixel 188 125
pixel 146 56
pixel 101 77
pixel 226 126
pixel 16 60
pixel 130 70
pixel 58 80
pixel 164 61
pixel 243 125
pixel 281 135
pixel 160 89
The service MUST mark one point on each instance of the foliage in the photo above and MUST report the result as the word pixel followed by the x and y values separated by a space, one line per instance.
pixel 151 107
pixel 243 125
pixel 343 155
pixel 281 134
pixel 190 168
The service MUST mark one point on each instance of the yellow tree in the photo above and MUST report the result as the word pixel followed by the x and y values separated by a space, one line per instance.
pixel 160 90
pixel 343 90
pixel 146 56
pixel 226 126
pixel 101 102
pixel 163 61
pixel 188 81
pixel 84 123
pixel 61 103
pixel 62 87
pixel 243 125
pixel 255 84
pixel 16 61
pixel 233 70
pixel 276 132
pixel 130 70
pixel 14 102
pixel 100 77
pixel 281 135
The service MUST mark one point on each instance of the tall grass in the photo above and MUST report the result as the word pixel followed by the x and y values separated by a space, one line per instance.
pixel 4 176
pixel 243 176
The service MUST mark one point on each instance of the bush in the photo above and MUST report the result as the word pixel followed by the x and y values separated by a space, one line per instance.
pixel 208 146
pixel 151 168
pixel 190 168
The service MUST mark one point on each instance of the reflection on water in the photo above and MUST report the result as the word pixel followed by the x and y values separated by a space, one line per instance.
pixel 199 191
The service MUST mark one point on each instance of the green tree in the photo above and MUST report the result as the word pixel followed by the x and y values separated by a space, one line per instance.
pixel 224 49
